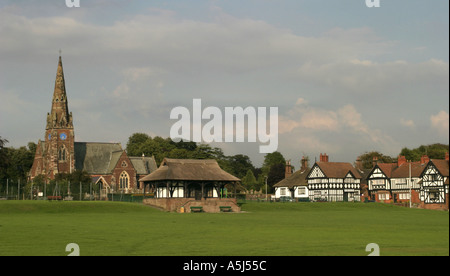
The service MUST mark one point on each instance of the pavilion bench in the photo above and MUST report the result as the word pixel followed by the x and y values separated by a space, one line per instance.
pixel 196 209
pixel 54 197
pixel 225 208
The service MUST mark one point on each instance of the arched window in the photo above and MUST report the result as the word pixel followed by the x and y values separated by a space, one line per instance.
pixel 124 180
pixel 62 154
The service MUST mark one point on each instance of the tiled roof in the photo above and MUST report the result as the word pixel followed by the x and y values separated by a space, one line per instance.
pixel 296 179
pixel 338 169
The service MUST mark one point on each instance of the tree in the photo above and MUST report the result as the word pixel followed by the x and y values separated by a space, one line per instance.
pixel 249 181
pixel 135 142
pixel 240 165
pixel 3 142
pixel 16 163
pixel 4 162
pixel 272 159
pixel 368 157
pixel 434 151
pixel 276 174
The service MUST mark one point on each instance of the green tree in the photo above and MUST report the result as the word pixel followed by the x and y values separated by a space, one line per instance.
pixel 276 174
pixel 249 181
pixel 135 142
pixel 240 165
pixel 368 158
pixel 271 159
pixel 433 151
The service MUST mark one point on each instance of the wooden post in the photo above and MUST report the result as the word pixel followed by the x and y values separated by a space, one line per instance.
pixel 167 189
pixel 203 186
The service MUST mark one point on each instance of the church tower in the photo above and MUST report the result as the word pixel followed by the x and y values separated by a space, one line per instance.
pixel 58 155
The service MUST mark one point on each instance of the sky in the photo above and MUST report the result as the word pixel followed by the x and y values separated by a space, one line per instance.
pixel 346 79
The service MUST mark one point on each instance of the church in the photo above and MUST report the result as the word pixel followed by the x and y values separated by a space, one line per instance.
pixel 107 163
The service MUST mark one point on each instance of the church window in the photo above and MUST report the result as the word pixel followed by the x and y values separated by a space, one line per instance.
pixel 62 154
pixel 124 180
pixel 124 164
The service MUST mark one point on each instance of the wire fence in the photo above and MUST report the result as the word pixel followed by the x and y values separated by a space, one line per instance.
pixel 16 189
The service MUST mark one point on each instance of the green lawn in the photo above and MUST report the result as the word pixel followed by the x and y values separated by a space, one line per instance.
pixel 263 229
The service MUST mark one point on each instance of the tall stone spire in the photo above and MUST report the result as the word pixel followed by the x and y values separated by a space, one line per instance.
pixel 59 117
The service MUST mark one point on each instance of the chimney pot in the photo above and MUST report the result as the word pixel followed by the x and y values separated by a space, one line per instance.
pixel 401 160
pixel 424 159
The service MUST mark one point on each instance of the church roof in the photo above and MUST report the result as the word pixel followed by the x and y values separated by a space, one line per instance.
pixel 144 165
pixel 190 170
pixel 95 158
pixel 102 158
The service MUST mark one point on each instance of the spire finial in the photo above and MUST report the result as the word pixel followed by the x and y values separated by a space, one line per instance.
pixel 60 52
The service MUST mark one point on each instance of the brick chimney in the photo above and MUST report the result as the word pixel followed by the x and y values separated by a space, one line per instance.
pixel 323 157
pixel 288 171
pixel 304 164
pixel 424 159
pixel 401 160
pixel 358 164
pixel 374 161
pixel 446 156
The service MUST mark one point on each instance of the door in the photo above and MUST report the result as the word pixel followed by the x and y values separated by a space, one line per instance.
pixel 345 197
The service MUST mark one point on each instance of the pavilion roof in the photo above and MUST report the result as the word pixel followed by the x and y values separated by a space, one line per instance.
pixel 189 170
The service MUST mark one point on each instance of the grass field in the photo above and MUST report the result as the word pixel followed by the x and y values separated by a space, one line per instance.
pixel 264 229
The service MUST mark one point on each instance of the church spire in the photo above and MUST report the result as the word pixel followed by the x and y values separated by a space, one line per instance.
pixel 59 116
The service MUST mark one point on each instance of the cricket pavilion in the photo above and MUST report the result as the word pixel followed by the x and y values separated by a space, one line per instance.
pixel 187 185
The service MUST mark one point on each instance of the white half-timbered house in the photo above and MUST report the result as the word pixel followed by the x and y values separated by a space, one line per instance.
pixel 295 185
pixel 434 192
pixel 333 181
pixel 390 182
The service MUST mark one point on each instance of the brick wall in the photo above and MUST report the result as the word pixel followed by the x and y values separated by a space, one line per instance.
pixel 210 205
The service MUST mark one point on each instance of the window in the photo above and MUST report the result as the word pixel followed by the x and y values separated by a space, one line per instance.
pixel 378 182
pixel 301 191
pixel 383 196
pixel 283 191
pixel 434 195
pixel 403 196
pixel 124 180
pixel 62 154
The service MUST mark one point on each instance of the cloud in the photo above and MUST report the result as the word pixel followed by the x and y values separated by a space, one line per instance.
pixel 333 130
pixel 440 123
pixel 407 123
pixel 369 77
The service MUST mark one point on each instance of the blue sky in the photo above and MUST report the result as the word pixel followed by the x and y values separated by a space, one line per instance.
pixel 346 78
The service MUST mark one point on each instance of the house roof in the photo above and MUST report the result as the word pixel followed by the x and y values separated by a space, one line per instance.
pixel 190 170
pixel 338 169
pixel 442 166
pixel 387 168
pixel 402 171
pixel 296 179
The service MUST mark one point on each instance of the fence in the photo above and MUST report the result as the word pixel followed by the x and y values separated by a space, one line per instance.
pixel 15 189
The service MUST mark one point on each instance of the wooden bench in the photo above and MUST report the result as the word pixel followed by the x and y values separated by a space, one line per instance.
pixel 225 208
pixel 198 209
pixel 54 197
